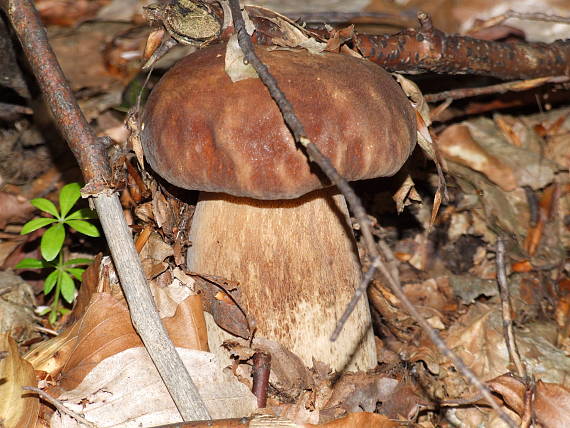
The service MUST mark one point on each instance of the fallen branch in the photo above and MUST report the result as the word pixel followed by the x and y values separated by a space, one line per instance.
pixel 90 153
pixel 430 50
pixel 328 169
pixel 426 50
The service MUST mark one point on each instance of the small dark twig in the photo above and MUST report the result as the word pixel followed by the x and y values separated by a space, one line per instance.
pixel 261 371
pixel 508 331
pixel 328 169
pixel 60 406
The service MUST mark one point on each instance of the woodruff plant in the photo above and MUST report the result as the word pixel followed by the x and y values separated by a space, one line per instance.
pixel 64 272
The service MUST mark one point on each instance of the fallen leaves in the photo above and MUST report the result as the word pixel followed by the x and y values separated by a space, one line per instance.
pixel 17 407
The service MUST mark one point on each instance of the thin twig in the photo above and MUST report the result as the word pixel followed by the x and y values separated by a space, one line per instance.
pixel 506 307
pixel 530 16
pixel 46 330
pixel 501 88
pixel 60 406
pixel 328 169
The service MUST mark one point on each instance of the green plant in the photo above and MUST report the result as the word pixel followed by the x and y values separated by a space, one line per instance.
pixel 64 273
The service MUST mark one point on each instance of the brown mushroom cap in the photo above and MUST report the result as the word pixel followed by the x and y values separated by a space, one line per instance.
pixel 201 131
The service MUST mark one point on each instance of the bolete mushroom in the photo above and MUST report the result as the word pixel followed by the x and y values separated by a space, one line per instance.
pixel 266 218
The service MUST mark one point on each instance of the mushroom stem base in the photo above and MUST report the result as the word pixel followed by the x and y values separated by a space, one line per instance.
pixel 297 265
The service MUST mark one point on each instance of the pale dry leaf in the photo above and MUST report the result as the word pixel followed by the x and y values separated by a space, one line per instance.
pixel 125 390
pixel 235 66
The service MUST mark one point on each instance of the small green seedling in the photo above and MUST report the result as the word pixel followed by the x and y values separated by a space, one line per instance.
pixel 61 279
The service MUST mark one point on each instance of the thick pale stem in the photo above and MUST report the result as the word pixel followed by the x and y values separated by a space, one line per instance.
pixel 297 265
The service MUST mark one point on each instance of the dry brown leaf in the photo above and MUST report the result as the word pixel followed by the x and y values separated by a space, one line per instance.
pixel 16 307
pixel 14 209
pixel 512 391
pixel 477 337
pixel 104 330
pixel 355 392
pixel 18 408
pixel 50 356
pixel 68 13
pixel 226 311
pixel 125 390
pixel 457 144
pixel 406 195
pixel 288 373
pixel 435 293
pixel 152 42
pixel 552 405
pixel 156 249
pixel 187 327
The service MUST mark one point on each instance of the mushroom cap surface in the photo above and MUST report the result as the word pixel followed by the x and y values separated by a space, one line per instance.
pixel 201 131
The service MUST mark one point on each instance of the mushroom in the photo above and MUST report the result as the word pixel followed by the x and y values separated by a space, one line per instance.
pixel 266 217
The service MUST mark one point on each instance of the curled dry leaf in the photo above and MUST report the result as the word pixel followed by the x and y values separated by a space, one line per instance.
pixel 550 405
pixel 284 32
pixel 406 194
pixel 17 408
pixel 222 300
